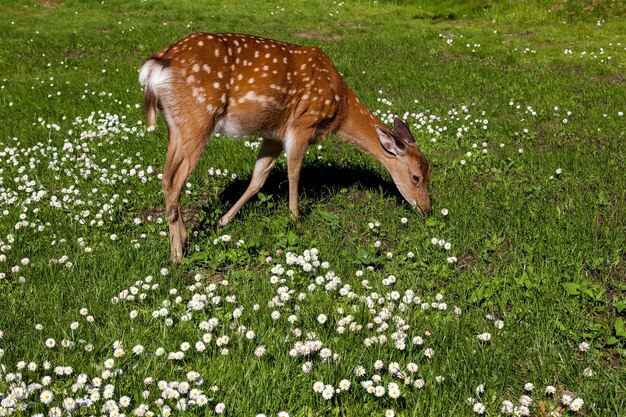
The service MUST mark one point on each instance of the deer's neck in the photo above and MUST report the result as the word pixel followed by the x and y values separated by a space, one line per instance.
pixel 359 128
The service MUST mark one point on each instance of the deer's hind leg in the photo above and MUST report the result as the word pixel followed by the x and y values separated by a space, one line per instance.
pixel 296 143
pixel 186 141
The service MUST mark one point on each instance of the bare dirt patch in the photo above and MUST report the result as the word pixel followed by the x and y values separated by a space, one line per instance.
pixel 465 261
pixel 74 53
pixel 522 34
pixel 616 79
pixel 211 277
pixel 318 36
pixel 190 215
pixel 47 4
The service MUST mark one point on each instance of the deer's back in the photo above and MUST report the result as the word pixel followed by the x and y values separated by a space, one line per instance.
pixel 252 85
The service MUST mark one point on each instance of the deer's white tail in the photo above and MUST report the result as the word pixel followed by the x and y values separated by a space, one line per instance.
pixel 153 76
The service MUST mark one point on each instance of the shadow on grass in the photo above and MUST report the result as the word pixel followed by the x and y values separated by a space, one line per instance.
pixel 316 183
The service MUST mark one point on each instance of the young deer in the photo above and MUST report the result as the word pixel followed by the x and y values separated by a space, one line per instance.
pixel 290 95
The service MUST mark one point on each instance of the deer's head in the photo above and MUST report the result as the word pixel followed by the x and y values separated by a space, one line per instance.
pixel 408 167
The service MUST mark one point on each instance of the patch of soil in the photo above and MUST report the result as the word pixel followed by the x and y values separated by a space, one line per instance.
pixel 190 215
pixel 436 17
pixel 74 53
pixel 619 273
pixel 615 360
pixel 47 4
pixel 613 80
pixel 466 260
pixel 523 34
pixel 210 277
pixel 318 36
pixel 575 70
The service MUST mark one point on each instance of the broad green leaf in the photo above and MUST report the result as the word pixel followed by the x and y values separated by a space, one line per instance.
pixel 571 288
pixel 620 329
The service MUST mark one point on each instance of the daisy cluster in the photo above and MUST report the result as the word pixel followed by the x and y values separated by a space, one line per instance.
pixel 51 176
pixel 314 307
pixel 458 122
pixel 53 173
pixel 602 55
pixel 562 404
pixel 78 175
pixel 612 53
pixel 61 392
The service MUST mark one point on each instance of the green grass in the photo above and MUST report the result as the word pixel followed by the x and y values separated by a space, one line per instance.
pixel 541 251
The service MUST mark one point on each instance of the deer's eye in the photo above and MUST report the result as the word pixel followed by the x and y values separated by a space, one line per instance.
pixel 417 179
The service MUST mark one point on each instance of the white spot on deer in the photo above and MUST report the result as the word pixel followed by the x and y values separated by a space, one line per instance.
pixel 251 81
pixel 216 85
pixel 250 95
pixel 210 108
pixel 256 54
pixel 217 52
pixel 206 68
pixel 196 67
pixel 223 98
pixel 200 43
pixel 198 93
pixel 191 79
pixel 219 74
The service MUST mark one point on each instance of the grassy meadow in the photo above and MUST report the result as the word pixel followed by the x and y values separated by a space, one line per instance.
pixel 509 300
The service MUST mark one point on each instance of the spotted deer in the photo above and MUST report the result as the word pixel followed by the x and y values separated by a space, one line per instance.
pixel 290 95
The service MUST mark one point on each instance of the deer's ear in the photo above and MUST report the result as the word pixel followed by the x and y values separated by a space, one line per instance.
pixel 402 130
pixel 391 144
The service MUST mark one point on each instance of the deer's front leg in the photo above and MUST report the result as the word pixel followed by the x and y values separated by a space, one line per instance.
pixel 296 148
pixel 270 150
